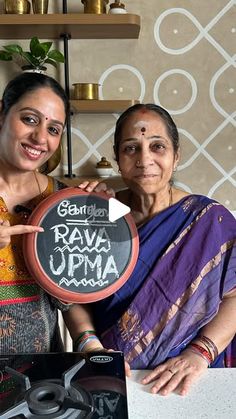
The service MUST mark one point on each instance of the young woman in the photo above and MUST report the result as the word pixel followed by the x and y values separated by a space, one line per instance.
pixel 32 118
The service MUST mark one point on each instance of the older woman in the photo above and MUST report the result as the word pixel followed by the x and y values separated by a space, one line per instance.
pixel 176 313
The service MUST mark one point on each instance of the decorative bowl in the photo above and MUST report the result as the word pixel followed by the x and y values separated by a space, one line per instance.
pixel 104 171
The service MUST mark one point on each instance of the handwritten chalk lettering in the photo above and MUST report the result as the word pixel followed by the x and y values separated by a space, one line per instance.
pixel 70 259
pixel 65 208
pixel 81 251
pixel 94 239
pixel 83 262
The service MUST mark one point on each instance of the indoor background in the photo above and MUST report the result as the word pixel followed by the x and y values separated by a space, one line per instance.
pixel 183 60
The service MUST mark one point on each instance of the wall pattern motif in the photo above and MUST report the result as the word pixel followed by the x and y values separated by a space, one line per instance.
pixel 184 60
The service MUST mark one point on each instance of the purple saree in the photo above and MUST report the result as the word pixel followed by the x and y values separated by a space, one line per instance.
pixel 187 262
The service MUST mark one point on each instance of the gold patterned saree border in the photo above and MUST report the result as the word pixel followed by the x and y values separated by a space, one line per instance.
pixel 179 303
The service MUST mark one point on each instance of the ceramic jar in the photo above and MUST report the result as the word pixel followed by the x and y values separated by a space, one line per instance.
pixel 117 8
pixel 31 69
pixel 104 168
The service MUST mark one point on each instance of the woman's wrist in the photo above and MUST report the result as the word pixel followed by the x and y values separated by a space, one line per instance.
pixel 191 350
pixel 91 348
pixel 87 341
pixel 204 347
pixel 208 345
pixel 202 352
pixel 83 336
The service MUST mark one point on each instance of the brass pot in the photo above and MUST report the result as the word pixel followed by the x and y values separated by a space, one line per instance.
pixel 95 6
pixel 18 7
pixel 40 6
pixel 84 91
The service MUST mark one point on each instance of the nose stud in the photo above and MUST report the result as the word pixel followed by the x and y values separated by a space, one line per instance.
pixel 137 163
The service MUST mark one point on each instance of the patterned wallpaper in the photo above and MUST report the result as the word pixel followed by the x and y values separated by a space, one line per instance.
pixel 184 60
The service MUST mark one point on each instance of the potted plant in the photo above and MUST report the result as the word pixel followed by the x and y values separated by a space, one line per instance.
pixel 40 53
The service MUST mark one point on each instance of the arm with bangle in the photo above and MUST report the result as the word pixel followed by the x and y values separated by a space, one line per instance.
pixel 78 320
pixel 218 333
pixel 182 371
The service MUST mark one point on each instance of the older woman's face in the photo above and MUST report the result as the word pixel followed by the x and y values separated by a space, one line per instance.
pixel 31 131
pixel 146 154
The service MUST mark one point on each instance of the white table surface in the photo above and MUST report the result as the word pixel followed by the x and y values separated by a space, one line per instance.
pixel 213 396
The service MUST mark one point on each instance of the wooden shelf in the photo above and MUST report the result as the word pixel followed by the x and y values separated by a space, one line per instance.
pixel 101 106
pixel 78 26
pixel 114 182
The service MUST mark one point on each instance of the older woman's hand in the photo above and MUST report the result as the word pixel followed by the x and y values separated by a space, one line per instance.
pixel 95 186
pixel 127 366
pixel 6 231
pixel 177 374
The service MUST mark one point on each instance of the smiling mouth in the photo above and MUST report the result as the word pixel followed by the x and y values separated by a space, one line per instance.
pixel 144 176
pixel 32 151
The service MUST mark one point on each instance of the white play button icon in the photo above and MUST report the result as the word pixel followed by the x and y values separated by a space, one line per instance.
pixel 116 209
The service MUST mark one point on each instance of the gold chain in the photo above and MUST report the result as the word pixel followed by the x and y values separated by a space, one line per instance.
pixel 37 181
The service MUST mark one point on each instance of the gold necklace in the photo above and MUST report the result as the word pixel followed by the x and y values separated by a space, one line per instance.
pixel 38 184
pixel 25 211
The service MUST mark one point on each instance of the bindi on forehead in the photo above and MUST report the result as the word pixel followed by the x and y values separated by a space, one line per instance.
pixel 141 126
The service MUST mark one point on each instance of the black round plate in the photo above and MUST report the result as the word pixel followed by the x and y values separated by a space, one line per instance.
pixel 81 256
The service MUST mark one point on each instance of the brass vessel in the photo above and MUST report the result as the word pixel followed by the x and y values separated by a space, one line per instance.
pixel 84 91
pixel 95 6
pixel 40 6
pixel 18 7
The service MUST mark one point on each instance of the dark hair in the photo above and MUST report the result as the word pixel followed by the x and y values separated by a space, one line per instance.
pixel 165 116
pixel 29 82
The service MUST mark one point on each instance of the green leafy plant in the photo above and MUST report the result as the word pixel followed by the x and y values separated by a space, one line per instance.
pixel 38 55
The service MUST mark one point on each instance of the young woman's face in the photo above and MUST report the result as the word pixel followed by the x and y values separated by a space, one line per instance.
pixel 31 131
pixel 146 154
